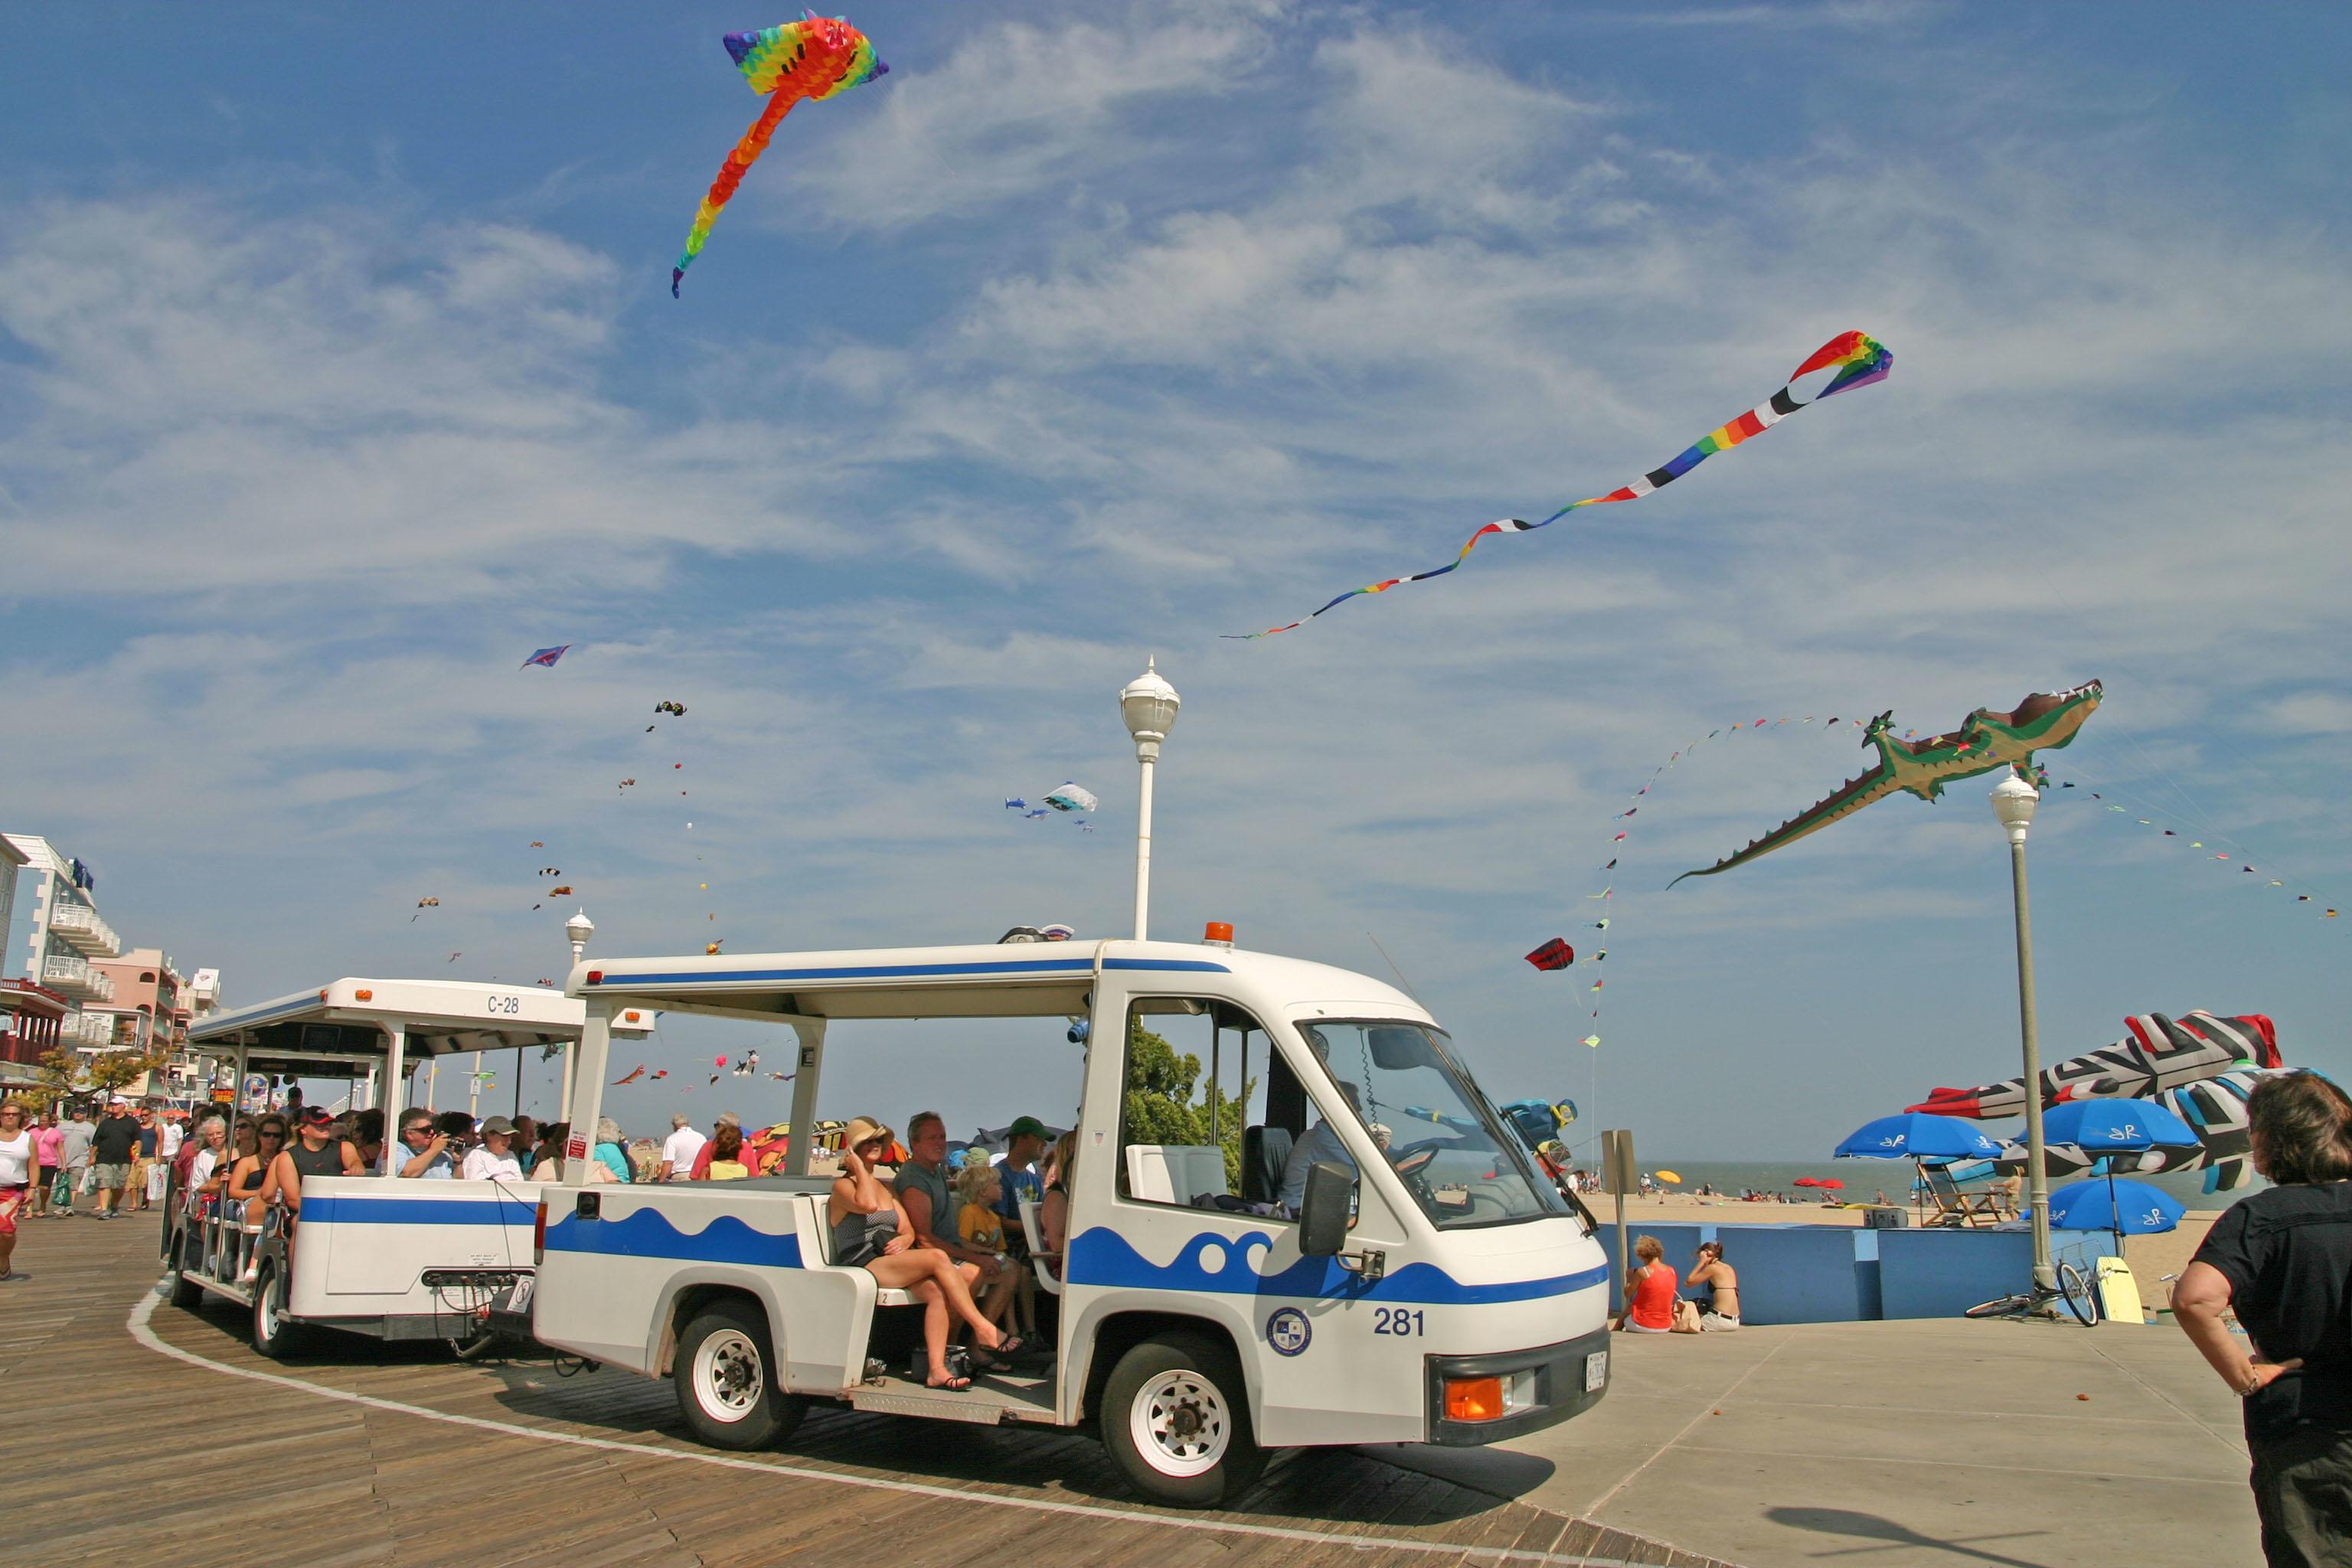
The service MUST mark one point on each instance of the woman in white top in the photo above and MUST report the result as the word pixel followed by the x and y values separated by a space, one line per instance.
pixel 16 1167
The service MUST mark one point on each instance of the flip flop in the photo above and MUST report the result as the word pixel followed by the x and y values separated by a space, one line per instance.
pixel 952 1386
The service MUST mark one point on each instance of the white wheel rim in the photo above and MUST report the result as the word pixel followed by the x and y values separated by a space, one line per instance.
pixel 266 1309
pixel 1180 1423
pixel 729 1377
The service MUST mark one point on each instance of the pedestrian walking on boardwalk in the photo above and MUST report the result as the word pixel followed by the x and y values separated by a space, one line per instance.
pixel 2282 1260
pixel 18 1166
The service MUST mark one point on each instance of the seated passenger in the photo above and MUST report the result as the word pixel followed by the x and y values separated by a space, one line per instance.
pixel 1054 1213
pixel 1720 1313
pixel 1649 1290
pixel 367 1139
pixel 493 1160
pixel 701 1168
pixel 315 1152
pixel 610 1152
pixel 922 1189
pixel 870 1231
pixel 212 1147
pixel 424 1149
pixel 727 1161
pixel 542 1158
pixel 977 1190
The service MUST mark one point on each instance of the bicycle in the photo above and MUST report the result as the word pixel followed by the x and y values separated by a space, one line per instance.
pixel 2072 1289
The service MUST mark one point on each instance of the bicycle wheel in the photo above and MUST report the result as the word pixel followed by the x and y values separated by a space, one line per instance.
pixel 1999 1307
pixel 2081 1299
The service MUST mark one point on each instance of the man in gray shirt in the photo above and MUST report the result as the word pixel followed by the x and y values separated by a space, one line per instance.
pixel 80 1134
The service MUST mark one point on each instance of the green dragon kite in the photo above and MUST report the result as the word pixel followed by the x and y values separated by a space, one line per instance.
pixel 1985 740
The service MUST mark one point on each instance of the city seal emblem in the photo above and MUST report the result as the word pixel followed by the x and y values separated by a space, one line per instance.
pixel 1288 1332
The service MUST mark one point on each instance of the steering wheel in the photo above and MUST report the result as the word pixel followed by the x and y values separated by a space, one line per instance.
pixel 1412 1163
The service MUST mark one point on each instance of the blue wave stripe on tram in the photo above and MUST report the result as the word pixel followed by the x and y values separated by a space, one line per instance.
pixel 1102 1256
pixel 649 1233
pixel 347 1210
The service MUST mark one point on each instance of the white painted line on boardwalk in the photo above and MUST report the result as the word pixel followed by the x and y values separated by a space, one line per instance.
pixel 1714 1403
pixel 141 1332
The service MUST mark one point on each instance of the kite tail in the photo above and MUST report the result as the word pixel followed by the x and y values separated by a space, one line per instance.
pixel 730 174
pixel 1862 360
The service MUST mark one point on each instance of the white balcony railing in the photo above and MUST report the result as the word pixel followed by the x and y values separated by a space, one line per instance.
pixel 71 974
pixel 82 927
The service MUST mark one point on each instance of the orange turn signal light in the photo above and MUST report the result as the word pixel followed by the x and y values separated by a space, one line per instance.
pixel 1473 1398
pixel 365 994
pixel 1220 932
pixel 633 1016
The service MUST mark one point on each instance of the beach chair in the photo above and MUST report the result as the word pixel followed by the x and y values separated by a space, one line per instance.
pixel 1949 1206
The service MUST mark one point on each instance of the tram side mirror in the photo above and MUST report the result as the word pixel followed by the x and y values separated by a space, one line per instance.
pixel 1399 1050
pixel 1323 1212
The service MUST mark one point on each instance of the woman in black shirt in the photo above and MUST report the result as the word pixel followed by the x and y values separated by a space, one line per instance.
pixel 2281 1261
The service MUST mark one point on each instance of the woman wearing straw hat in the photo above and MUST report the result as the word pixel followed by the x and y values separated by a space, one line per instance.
pixel 871 1231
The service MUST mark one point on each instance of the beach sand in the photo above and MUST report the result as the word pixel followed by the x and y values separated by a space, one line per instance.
pixel 2150 1257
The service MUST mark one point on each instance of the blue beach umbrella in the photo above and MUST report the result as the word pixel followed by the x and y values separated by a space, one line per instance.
pixel 1915 1135
pixel 2115 1126
pixel 2131 1208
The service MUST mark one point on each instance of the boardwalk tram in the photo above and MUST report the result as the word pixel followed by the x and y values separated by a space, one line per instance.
pixel 1427 1284
pixel 372 1255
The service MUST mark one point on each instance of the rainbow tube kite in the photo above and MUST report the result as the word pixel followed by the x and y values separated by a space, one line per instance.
pixel 1858 359
pixel 816 57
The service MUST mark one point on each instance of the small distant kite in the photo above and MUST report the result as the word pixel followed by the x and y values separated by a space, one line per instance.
pixel 456 956
pixel 631 1078
pixel 1016 804
pixel 562 892
pixel 812 58
pixel 551 871
pixel 678 709
pixel 421 905
pixel 544 980
pixel 710 949
pixel 663 1072
pixel 546 657
pixel 628 784
pixel 1070 797
pixel 535 843
pixel 1553 954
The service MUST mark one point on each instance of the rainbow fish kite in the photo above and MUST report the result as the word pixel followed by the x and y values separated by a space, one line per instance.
pixel 812 58
pixel 1858 360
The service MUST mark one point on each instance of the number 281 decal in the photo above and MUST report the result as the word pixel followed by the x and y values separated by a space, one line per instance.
pixel 1399 1321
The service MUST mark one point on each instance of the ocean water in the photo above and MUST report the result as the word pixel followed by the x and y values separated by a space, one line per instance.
pixel 1864 1179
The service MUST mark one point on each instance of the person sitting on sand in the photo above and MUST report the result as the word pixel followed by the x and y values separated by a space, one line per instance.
pixel 1649 1290
pixel 1720 1312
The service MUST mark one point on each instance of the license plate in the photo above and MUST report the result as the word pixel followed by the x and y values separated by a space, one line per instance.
pixel 1596 1371
pixel 520 1302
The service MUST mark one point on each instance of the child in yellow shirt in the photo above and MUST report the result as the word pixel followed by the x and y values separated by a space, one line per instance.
pixel 980 1187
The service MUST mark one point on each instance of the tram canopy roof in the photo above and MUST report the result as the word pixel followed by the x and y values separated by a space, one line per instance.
pixel 345 1021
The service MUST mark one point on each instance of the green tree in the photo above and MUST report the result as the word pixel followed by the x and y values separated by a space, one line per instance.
pixel 113 1070
pixel 57 1066
pixel 1160 1107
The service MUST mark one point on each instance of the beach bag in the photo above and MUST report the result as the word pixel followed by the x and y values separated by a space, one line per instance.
pixel 1686 1316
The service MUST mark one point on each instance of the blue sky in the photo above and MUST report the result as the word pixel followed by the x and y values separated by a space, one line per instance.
pixel 338 371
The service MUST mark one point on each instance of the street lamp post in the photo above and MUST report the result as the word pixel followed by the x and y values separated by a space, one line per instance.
pixel 2013 801
pixel 1148 705
pixel 577 930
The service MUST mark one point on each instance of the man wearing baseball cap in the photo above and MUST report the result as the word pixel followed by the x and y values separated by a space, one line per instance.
pixel 112 1147
pixel 1024 1141
pixel 493 1159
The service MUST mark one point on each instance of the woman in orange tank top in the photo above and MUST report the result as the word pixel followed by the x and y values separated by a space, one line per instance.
pixel 1649 1290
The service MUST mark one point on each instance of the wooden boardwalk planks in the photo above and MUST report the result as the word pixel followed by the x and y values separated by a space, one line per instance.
pixel 596 1469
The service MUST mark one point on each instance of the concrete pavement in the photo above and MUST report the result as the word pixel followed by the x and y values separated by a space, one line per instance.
pixel 1931 1442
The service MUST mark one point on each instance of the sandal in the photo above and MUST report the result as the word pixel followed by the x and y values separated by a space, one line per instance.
pixel 999 1359
pixel 952 1386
